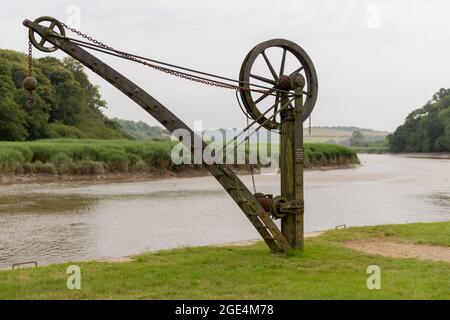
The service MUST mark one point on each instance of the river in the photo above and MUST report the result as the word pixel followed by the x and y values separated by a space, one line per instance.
pixel 59 222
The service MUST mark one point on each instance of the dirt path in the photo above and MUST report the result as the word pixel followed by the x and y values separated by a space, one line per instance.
pixel 400 250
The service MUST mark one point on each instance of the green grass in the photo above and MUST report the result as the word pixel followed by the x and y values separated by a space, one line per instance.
pixel 317 154
pixel 418 233
pixel 84 157
pixel 75 156
pixel 325 270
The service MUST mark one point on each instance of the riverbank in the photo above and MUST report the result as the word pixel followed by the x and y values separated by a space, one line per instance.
pixel 328 269
pixel 372 150
pixel 71 159
pixel 187 172
pixel 85 220
pixel 426 155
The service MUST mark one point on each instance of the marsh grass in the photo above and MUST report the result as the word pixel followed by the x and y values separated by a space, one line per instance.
pixel 320 154
pixel 91 157
pixel 94 157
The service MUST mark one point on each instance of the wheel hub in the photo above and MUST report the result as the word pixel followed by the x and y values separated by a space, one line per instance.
pixel 284 83
pixel 299 73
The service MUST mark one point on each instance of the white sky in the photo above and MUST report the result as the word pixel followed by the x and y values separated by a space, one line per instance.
pixel 376 60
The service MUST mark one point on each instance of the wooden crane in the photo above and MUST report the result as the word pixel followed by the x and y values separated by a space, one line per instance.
pixel 295 96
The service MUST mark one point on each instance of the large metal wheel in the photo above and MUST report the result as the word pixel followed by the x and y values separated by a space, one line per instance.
pixel 50 23
pixel 259 68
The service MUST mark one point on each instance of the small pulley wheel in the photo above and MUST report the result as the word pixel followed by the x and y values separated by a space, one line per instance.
pixel 274 64
pixel 275 209
pixel 49 23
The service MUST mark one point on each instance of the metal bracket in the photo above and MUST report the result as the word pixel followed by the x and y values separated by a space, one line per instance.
pixel 15 265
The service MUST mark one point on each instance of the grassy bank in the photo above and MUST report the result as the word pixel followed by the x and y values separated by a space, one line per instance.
pixel 72 156
pixel 96 157
pixel 325 270
pixel 320 154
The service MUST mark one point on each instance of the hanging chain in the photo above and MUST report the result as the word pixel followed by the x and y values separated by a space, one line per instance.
pixel 30 71
pixel 85 36
pixel 169 71
pixel 310 124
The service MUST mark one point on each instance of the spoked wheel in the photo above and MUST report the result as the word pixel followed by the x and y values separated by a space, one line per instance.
pixel 50 23
pixel 259 68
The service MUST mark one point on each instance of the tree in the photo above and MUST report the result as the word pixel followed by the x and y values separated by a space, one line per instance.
pixel 356 139
pixel 64 97
pixel 425 129
pixel 12 118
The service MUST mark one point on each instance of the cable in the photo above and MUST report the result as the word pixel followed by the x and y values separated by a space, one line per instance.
pixel 242 108
pixel 255 121
pixel 249 161
pixel 122 53
pixel 182 75
pixel 247 118
pixel 310 124
pixel 260 126
pixel 100 47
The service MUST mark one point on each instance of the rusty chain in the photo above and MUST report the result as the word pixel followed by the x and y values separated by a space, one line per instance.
pixel 30 58
pixel 169 71
pixel 30 71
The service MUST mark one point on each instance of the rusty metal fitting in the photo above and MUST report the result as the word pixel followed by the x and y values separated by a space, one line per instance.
pixel 291 82
pixel 280 207
pixel 30 83
pixel 284 83
pixel 264 200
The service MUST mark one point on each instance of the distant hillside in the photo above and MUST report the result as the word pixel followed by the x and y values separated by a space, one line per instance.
pixel 345 128
pixel 142 131
pixel 66 103
pixel 335 135
pixel 341 134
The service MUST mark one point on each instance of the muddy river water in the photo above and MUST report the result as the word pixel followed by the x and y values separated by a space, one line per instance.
pixel 58 222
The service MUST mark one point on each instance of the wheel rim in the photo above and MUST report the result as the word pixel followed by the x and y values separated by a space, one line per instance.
pixel 41 44
pixel 305 66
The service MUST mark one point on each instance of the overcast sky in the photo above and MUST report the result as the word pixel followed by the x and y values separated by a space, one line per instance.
pixel 376 60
